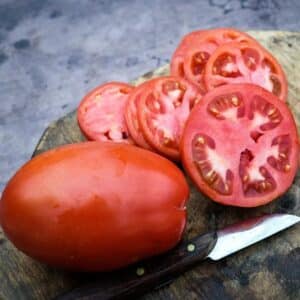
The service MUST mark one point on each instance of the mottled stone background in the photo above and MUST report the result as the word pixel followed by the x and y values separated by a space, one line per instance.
pixel 53 52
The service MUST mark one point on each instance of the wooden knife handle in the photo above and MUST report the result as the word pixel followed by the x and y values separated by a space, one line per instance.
pixel 146 275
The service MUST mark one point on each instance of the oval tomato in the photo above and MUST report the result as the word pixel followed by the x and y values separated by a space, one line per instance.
pixel 193 52
pixel 240 145
pixel 131 116
pixel 163 110
pixel 101 113
pixel 245 62
pixel 95 206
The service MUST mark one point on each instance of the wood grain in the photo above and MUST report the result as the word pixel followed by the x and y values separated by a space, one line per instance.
pixel 268 270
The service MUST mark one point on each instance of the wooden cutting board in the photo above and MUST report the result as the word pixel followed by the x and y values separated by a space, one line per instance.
pixel 268 270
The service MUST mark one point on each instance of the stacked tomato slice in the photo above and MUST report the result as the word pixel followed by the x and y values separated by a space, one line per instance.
pixel 192 54
pixel 216 57
pixel 162 111
pixel 221 112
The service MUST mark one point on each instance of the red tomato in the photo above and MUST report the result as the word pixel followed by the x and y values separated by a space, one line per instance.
pixel 131 116
pixel 193 52
pixel 163 110
pixel 101 113
pixel 95 206
pixel 240 145
pixel 245 62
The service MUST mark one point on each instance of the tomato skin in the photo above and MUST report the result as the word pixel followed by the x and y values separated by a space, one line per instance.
pixel 95 206
pixel 226 140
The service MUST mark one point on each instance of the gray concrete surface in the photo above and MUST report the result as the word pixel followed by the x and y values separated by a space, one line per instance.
pixel 53 52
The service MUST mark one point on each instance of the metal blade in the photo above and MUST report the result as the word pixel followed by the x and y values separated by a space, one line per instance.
pixel 241 235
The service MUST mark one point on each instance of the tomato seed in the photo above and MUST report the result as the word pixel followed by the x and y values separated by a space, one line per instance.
pixel 200 140
pixel 235 101
pixel 246 178
pixel 281 154
pixel 271 111
pixel 214 111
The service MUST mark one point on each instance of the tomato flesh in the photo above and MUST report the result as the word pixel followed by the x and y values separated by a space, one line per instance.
pixel 95 206
pixel 101 113
pixel 240 145
pixel 245 62
pixel 163 111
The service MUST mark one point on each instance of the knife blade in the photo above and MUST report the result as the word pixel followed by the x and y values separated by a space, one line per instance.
pixel 241 235
pixel 161 270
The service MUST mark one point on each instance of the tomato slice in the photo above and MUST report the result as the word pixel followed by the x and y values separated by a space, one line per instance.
pixel 131 116
pixel 163 110
pixel 193 52
pixel 245 62
pixel 101 113
pixel 240 145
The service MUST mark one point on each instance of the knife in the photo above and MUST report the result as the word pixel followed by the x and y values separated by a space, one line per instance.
pixel 163 269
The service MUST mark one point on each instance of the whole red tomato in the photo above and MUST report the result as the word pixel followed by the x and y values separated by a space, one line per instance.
pixel 95 206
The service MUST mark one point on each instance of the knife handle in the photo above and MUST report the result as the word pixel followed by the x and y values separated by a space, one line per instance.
pixel 146 275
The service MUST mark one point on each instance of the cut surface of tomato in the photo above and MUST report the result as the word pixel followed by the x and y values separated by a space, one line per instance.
pixel 101 113
pixel 192 54
pixel 240 145
pixel 163 110
pixel 245 62
pixel 131 116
